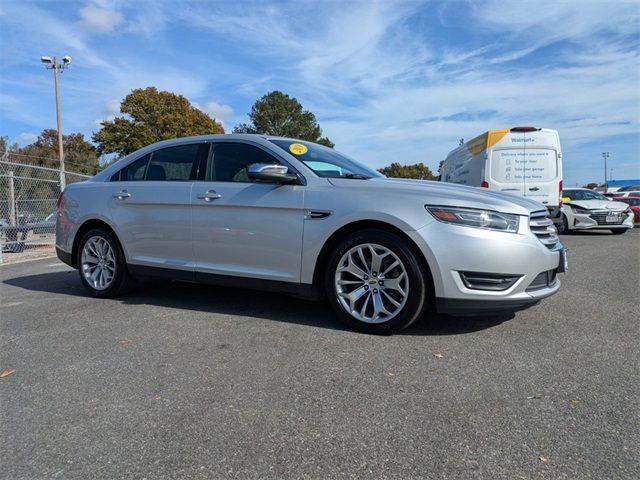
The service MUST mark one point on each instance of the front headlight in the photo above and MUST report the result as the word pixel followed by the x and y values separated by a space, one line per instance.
pixel 580 210
pixel 503 222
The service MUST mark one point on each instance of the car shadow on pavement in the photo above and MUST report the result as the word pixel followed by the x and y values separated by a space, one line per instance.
pixel 243 302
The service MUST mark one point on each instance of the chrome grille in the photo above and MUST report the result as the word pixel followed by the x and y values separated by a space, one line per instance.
pixel 600 216
pixel 543 228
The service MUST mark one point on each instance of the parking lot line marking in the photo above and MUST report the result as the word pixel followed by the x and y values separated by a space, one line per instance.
pixel 10 304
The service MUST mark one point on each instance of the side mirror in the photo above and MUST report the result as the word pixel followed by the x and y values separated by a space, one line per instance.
pixel 271 173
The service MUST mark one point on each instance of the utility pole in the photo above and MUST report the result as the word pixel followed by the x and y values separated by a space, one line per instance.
pixel 57 67
pixel 605 155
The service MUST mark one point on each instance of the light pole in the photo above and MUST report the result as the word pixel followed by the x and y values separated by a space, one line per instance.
pixel 56 67
pixel 605 155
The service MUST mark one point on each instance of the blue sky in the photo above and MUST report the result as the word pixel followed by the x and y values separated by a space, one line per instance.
pixel 388 80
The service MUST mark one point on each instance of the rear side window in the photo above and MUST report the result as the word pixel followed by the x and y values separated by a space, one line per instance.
pixel 173 164
pixel 177 164
pixel 134 171
pixel 228 162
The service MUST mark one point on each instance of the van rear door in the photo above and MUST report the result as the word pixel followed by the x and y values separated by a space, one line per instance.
pixel 540 170
pixel 527 167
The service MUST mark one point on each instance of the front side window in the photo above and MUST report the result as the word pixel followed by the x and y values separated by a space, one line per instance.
pixel 589 195
pixel 229 162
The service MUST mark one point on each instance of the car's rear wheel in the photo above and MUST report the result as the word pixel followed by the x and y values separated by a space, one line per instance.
pixel 101 264
pixel 375 282
pixel 563 226
pixel 618 231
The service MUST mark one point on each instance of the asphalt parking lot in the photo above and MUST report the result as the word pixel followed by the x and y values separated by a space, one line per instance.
pixel 186 381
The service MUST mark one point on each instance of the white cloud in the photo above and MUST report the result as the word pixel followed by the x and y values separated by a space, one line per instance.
pixel 25 138
pixel 112 107
pixel 218 111
pixel 100 18
pixel 221 113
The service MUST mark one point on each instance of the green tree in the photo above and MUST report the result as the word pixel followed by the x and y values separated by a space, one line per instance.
pixel 280 115
pixel 149 116
pixel 417 171
pixel 35 190
pixel 79 155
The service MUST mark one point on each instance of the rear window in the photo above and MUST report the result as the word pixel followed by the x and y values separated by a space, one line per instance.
pixel 520 165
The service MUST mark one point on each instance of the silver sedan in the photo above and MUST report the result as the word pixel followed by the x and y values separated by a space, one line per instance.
pixel 296 217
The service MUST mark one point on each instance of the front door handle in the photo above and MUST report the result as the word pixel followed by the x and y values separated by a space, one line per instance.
pixel 121 195
pixel 209 196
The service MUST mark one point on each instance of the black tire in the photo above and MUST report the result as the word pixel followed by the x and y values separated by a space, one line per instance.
pixel 619 231
pixel 418 294
pixel 122 281
pixel 563 226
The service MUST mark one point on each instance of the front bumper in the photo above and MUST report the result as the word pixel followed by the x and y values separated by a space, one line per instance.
pixel 452 249
pixel 597 221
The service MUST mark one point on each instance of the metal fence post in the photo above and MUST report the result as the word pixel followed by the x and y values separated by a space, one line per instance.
pixel 12 200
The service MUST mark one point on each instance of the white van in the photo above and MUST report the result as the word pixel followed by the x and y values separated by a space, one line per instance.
pixel 525 161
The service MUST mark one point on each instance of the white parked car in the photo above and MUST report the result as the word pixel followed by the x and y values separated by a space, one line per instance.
pixel 630 193
pixel 584 209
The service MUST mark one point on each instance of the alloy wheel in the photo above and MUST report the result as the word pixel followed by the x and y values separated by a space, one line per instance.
pixel 98 263
pixel 371 283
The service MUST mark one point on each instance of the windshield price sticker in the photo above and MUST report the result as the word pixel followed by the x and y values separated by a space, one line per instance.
pixel 297 149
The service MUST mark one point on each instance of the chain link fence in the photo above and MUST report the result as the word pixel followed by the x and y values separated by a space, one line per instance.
pixel 28 196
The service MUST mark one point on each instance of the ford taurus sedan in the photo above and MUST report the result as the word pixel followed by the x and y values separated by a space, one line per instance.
pixel 292 216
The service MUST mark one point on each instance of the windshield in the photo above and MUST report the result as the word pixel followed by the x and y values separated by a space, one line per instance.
pixel 324 161
pixel 583 195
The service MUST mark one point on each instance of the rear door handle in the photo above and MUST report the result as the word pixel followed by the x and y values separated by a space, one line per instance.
pixel 534 189
pixel 121 195
pixel 209 196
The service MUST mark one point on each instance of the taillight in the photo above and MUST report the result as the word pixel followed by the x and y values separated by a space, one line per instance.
pixel 560 194
pixel 484 184
pixel 59 202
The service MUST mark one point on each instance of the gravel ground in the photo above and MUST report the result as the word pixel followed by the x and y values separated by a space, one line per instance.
pixel 187 381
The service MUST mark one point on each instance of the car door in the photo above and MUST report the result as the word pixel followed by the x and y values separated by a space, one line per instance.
pixel 151 207
pixel 244 228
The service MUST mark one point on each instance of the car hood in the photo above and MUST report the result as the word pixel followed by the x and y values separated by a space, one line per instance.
pixel 600 205
pixel 445 194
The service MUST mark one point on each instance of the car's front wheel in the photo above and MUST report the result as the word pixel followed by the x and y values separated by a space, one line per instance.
pixel 619 231
pixel 375 282
pixel 101 264
pixel 563 226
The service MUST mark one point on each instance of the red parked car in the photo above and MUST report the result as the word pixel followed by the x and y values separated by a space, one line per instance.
pixel 634 203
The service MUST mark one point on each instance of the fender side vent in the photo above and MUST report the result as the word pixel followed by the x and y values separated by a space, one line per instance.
pixel 316 214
